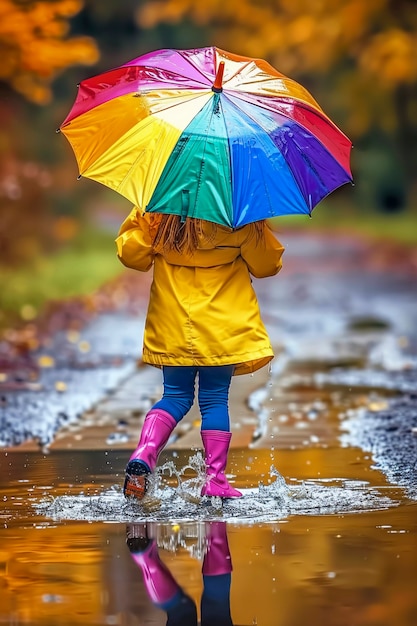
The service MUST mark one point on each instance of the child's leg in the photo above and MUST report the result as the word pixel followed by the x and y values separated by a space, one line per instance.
pixel 178 395
pixel 159 423
pixel 213 397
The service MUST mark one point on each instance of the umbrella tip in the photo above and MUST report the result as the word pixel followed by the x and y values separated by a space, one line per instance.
pixel 57 130
pixel 217 85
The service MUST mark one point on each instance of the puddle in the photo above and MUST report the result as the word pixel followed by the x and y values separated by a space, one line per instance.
pixel 328 534
pixel 333 544
pixel 337 569
pixel 326 530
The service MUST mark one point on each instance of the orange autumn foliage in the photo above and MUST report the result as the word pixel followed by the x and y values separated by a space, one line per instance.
pixel 35 46
pixel 311 35
pixel 372 42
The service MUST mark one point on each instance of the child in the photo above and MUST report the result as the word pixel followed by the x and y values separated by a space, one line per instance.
pixel 203 319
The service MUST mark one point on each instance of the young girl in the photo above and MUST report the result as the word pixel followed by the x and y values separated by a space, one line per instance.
pixel 203 319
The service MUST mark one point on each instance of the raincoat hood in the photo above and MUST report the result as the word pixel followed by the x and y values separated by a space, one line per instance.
pixel 217 245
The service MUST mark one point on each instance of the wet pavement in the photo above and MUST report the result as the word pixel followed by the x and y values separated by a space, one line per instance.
pixel 324 448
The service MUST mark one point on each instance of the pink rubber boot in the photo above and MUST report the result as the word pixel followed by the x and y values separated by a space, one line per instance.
pixel 216 446
pixel 217 558
pixel 156 429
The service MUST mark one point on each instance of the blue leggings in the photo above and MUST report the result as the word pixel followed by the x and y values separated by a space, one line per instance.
pixel 213 394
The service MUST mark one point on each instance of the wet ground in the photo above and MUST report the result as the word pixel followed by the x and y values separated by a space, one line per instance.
pixel 324 448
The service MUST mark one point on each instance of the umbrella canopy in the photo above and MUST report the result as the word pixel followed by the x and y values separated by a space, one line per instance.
pixel 207 134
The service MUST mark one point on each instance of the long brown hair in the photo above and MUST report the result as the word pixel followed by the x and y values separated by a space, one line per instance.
pixel 183 236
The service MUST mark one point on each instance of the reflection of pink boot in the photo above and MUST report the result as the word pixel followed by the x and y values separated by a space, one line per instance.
pixel 161 587
pixel 216 446
pixel 217 567
pixel 159 583
pixel 156 429
pixel 217 559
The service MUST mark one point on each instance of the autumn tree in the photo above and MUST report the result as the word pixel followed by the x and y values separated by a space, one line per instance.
pixel 35 46
pixel 362 54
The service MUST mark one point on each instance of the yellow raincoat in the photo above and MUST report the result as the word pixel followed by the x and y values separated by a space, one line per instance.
pixel 203 309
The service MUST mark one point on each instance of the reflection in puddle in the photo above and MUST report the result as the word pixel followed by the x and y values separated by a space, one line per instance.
pixel 166 593
pixel 330 569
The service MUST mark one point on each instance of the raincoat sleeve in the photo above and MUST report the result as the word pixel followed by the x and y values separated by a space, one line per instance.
pixel 134 242
pixel 264 257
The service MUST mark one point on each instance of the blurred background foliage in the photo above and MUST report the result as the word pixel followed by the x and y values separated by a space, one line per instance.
pixel 358 59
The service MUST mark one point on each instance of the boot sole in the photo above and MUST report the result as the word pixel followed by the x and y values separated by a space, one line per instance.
pixel 135 487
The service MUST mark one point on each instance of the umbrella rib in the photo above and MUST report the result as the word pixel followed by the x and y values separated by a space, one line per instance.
pixel 229 153
pixel 238 71
pixel 176 104
pixel 319 112
pixel 205 85
pixel 200 175
pixel 180 52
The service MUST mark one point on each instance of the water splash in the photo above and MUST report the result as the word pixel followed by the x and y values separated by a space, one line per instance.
pixel 189 488
pixel 183 502
pixel 278 489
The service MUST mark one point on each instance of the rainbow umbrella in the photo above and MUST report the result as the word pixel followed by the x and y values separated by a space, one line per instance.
pixel 207 134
